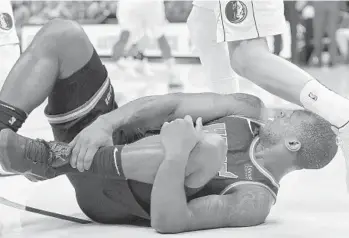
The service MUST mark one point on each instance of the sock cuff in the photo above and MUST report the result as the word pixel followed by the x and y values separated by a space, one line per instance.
pixel 11 117
pixel 117 160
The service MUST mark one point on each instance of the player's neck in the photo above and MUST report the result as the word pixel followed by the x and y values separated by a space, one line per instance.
pixel 271 161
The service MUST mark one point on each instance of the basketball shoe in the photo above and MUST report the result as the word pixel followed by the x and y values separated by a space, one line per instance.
pixel 26 156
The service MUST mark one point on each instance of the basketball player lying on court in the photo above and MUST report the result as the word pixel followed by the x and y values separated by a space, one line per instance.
pixel 121 181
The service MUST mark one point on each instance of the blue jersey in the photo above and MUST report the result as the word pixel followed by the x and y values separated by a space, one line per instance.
pixel 240 167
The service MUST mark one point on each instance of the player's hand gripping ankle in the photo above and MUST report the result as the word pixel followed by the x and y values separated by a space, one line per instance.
pixel 88 141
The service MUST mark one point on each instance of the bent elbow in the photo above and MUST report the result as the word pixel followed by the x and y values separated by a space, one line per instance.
pixel 164 227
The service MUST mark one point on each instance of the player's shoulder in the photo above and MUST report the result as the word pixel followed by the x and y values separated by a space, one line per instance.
pixel 248 106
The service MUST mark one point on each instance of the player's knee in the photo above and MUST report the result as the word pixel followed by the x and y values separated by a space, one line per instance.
pixel 59 34
pixel 67 33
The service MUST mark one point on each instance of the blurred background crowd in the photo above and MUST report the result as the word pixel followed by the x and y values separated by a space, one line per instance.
pixel 316 26
pixel 87 12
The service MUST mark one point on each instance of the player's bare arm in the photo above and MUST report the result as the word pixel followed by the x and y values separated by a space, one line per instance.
pixel 141 160
pixel 248 205
pixel 158 109
pixel 153 111
pixel 170 212
pixel 137 161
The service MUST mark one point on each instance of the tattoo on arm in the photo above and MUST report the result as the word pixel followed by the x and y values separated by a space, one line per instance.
pixel 246 206
pixel 249 99
pixel 250 207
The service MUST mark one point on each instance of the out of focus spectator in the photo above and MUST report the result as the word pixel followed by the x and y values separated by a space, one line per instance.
pixel 178 11
pixel 37 13
pixel 305 31
pixel 21 13
pixel 326 20
pixel 292 18
pixel 342 35
pixel 86 12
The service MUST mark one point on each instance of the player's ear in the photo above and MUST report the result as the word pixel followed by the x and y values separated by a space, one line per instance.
pixel 293 144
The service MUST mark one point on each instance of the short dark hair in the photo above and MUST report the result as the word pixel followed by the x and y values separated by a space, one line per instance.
pixel 318 141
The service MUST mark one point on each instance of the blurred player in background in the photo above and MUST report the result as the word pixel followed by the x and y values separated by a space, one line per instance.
pixel 214 56
pixel 9 43
pixel 141 21
pixel 244 25
pixel 326 19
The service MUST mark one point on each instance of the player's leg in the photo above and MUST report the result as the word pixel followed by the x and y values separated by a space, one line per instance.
pixel 214 57
pixel 131 25
pixel 277 44
pixel 9 43
pixel 320 25
pixel 155 25
pixel 55 53
pixel 9 54
pixel 55 65
pixel 137 161
pixel 169 61
pixel 333 18
pixel 292 16
pixel 342 38
pixel 253 60
pixel 120 45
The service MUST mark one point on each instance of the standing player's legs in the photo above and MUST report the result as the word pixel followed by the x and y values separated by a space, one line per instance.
pixel 214 57
pixel 277 44
pixel 333 18
pixel 251 58
pixel 120 45
pixel 169 61
pixel 9 54
pixel 131 30
pixel 292 16
pixel 320 26
pixel 155 24
pixel 342 38
pixel 9 44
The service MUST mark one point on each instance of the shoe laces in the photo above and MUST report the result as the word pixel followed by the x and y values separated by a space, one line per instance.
pixel 39 152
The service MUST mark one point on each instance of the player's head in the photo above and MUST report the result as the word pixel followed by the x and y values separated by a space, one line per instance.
pixel 306 136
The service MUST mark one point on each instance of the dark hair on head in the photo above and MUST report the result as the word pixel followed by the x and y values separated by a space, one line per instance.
pixel 318 141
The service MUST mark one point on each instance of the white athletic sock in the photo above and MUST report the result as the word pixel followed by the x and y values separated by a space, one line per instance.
pixel 326 103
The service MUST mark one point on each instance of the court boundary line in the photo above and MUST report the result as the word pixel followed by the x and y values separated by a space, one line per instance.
pixel 21 207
